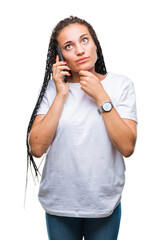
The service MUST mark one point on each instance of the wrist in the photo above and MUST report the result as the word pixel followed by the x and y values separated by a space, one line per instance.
pixel 102 98
pixel 62 97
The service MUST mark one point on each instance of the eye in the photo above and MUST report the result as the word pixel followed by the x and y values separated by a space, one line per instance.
pixel 85 40
pixel 68 47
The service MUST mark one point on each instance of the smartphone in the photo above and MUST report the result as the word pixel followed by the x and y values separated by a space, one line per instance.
pixel 61 59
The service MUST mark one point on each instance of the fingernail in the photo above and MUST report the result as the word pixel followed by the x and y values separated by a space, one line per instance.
pixel 64 62
pixel 69 68
pixel 69 74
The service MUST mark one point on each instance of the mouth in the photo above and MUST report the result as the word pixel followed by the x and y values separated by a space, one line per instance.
pixel 81 60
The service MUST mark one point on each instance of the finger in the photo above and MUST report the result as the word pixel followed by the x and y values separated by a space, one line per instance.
pixel 83 87
pixel 84 73
pixel 60 63
pixel 57 58
pixel 83 83
pixel 63 73
pixel 83 78
pixel 64 68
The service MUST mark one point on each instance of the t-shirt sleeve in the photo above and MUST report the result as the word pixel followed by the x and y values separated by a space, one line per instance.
pixel 44 106
pixel 127 103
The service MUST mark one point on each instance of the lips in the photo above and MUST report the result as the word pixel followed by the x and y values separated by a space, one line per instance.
pixel 81 60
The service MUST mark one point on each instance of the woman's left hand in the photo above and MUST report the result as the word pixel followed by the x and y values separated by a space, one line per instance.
pixel 91 84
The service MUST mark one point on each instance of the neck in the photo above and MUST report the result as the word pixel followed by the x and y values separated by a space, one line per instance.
pixel 75 77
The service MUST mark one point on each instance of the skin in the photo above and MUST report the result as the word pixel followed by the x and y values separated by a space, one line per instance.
pixel 76 42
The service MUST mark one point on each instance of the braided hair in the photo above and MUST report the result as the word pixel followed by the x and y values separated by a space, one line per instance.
pixel 51 58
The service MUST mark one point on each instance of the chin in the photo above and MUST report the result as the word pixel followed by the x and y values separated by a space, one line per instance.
pixel 87 67
pixel 84 66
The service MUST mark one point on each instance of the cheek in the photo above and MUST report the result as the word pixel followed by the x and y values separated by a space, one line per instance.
pixel 94 54
pixel 68 57
pixel 91 48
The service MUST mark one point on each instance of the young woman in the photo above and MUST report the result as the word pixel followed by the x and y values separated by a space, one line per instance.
pixel 85 126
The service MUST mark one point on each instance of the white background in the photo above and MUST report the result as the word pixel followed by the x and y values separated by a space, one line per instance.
pixel 132 39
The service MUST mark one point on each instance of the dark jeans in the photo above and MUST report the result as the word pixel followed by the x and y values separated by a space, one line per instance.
pixel 72 228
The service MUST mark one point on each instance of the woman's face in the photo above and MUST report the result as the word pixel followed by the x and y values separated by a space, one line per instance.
pixel 78 47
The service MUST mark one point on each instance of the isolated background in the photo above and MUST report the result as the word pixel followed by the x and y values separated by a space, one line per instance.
pixel 132 39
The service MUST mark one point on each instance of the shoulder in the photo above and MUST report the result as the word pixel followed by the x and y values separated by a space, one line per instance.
pixel 118 79
pixel 116 82
pixel 117 85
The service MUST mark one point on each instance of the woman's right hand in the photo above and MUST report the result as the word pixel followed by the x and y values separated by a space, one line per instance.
pixel 57 75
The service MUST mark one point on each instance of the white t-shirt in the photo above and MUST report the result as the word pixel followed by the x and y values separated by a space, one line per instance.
pixel 83 175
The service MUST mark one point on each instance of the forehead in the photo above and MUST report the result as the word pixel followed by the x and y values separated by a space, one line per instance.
pixel 72 32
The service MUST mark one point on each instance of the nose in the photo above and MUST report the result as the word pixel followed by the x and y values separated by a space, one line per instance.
pixel 79 50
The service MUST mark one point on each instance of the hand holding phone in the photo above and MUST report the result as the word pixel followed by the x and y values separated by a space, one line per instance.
pixel 61 59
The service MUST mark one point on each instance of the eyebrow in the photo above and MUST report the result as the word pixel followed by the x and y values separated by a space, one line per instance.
pixel 79 38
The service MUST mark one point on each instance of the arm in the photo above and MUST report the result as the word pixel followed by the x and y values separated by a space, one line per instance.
pixel 122 132
pixel 44 127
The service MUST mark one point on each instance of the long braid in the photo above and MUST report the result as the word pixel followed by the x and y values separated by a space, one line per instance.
pixel 48 71
pixel 100 64
pixel 51 58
